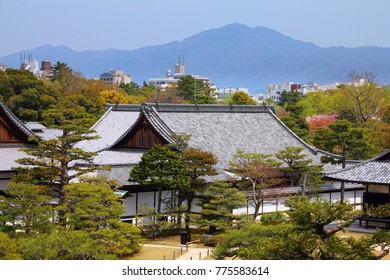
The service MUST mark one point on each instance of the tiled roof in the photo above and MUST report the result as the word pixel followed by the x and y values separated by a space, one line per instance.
pixel 111 127
pixel 118 157
pixel 10 153
pixel 377 172
pixel 42 131
pixel 219 129
pixel 225 132
pixel 121 173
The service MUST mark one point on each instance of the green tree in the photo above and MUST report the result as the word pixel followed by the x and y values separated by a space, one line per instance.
pixel 242 98
pixel 359 102
pixel 62 73
pixel 300 169
pixel 8 249
pixel 25 95
pixel 93 207
pixel 218 202
pixel 289 97
pixel 341 138
pixel 315 215
pixel 161 168
pixel 63 245
pixel 309 235
pixel 53 162
pixel 26 209
pixel 258 172
pixel 130 88
pixel 195 91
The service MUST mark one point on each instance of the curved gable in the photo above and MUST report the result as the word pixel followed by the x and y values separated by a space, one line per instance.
pixel 143 135
pixel 12 130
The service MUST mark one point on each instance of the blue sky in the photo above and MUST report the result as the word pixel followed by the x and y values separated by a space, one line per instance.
pixel 131 24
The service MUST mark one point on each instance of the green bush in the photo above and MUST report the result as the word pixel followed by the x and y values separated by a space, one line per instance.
pixel 273 218
pixel 212 241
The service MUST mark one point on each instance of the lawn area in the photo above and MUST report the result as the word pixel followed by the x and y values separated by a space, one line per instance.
pixel 167 246
pixel 153 253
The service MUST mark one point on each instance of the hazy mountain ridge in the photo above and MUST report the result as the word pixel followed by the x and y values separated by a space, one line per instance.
pixel 233 56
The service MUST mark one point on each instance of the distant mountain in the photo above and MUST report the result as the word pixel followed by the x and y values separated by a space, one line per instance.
pixel 232 56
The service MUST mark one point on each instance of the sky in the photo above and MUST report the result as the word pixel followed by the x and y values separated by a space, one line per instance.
pixel 131 24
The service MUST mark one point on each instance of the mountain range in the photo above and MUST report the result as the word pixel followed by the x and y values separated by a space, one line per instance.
pixel 232 56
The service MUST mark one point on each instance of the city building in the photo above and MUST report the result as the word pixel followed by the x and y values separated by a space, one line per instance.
pixel 274 91
pixel 29 64
pixel 3 66
pixel 32 65
pixel 115 77
pixel 169 80
pixel 224 91
pixel 46 69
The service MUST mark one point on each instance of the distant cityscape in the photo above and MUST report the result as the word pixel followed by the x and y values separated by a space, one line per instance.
pixel 273 91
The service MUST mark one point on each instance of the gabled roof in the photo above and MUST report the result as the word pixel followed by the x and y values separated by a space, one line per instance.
pixel 15 127
pixel 111 126
pixel 375 171
pixel 14 135
pixel 219 129
pixel 154 120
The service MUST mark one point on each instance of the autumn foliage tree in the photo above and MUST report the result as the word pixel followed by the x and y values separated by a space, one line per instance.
pixel 199 164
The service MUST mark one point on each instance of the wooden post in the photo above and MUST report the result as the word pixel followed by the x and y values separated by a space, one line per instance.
pixel 200 255
pixel 174 255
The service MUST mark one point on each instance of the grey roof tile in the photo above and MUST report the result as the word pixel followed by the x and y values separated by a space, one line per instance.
pixel 111 126
pixel 118 157
pixel 377 172
pixel 223 133
pixel 219 129
pixel 8 155
pixel 119 173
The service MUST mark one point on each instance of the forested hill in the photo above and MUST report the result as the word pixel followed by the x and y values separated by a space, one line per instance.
pixel 234 55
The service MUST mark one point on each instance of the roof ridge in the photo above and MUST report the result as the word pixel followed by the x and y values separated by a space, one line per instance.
pixel 381 154
pixel 313 149
pixel 108 110
pixel 350 167
pixel 158 122
pixel 214 108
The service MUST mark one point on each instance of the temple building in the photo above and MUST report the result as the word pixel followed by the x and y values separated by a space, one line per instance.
pixel 128 131
pixel 374 174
